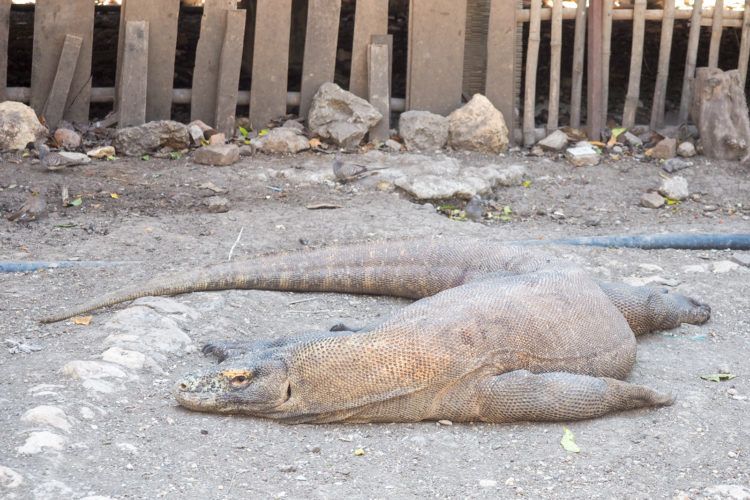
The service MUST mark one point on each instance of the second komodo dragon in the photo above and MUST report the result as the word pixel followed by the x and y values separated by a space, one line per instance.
pixel 498 333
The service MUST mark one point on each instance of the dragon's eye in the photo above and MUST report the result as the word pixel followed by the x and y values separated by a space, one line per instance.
pixel 240 380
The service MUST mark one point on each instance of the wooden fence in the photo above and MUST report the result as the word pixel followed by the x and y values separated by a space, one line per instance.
pixel 438 51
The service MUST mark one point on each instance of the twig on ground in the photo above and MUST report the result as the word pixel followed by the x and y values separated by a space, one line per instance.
pixel 231 250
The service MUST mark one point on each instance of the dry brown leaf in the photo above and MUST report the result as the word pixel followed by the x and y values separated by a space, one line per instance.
pixel 82 320
pixel 315 143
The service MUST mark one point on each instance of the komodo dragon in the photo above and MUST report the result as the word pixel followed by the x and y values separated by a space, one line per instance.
pixel 499 333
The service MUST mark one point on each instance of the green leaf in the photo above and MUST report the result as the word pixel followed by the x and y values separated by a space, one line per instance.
pixel 244 131
pixel 507 210
pixel 145 157
pixel 718 377
pixel 670 201
pixel 175 155
pixel 263 132
pixel 526 184
pixel 111 158
pixel 77 202
pixel 617 131
pixel 247 142
pixel 568 441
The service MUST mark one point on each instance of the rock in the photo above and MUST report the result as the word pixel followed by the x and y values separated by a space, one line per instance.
pixel 728 492
pixel 169 307
pixel 247 150
pixel 478 126
pixel 217 139
pixel 197 131
pixel 686 149
pixel 664 149
pixel 47 415
pixel 510 176
pixel 724 266
pixel 217 204
pixel 582 156
pixel 9 478
pixel 742 259
pixel 431 187
pixel 101 152
pixel 695 268
pixel 675 165
pixel 294 125
pixel 487 483
pixel 617 150
pixel 473 209
pixel 39 441
pixel 74 158
pixel 129 359
pixel 675 188
pixel 556 141
pixel 217 155
pixel 140 328
pixel 341 116
pixel 652 200
pixel 423 131
pixel 650 280
pixel 143 139
pixel 67 139
pixel 283 140
pixel 631 140
pixel 86 413
pixel 83 370
pixel 393 145
pixel 19 126
pixel 652 268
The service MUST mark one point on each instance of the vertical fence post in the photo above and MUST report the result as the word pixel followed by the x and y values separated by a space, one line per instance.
pixel 690 59
pixel 579 50
pixel 716 29
pixel 594 81
pixel 744 44
pixel 662 73
pixel 500 86
pixel 636 61
pixel 532 58
pixel 4 28
pixel 606 54
pixel 321 41
pixel 553 104
pixel 370 18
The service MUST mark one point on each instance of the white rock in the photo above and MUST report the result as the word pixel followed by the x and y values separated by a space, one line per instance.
pixel 675 188
pixel 80 158
pixel 695 268
pixel 728 491
pixel 511 176
pixel 724 266
pixel 147 331
pixel 556 141
pixel 478 126
pixel 9 478
pixel 652 268
pixel 52 489
pixel 124 357
pixel 99 385
pixel 487 483
pixel 649 280
pixel 393 145
pixel 86 413
pixel 19 126
pixel 741 259
pixel 686 149
pixel 83 370
pixel 582 156
pixel 48 415
pixel 283 140
pixel 341 116
pixel 39 441
pixel 169 307
pixel 423 131
pixel 127 448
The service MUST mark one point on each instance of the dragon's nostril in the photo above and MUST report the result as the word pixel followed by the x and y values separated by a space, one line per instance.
pixel 183 386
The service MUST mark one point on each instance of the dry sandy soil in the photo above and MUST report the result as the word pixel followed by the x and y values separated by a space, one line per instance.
pixel 127 438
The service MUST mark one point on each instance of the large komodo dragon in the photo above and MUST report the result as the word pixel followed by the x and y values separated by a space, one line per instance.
pixel 499 333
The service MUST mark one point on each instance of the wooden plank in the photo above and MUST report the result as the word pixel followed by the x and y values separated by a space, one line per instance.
pixel 229 72
pixel 532 60
pixel 207 56
pixel 386 40
pixel 579 49
pixel 53 20
pixel 662 73
pixel 436 55
pixel 133 90
pixel 4 30
pixel 270 61
pixel 553 102
pixel 744 45
pixel 690 60
pixel 716 29
pixel 54 109
pixel 370 18
pixel 379 89
pixel 500 87
pixel 162 17
pixel 607 8
pixel 636 61
pixel 594 90
pixel 321 41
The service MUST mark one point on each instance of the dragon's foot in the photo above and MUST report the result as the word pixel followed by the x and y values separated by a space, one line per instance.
pixel 225 349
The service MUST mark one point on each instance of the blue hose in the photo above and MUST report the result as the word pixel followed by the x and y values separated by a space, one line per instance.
pixel 7 266
pixel 680 241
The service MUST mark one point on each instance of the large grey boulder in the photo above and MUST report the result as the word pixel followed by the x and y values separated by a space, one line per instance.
pixel 137 141
pixel 423 131
pixel 341 116
pixel 283 140
pixel 19 126
pixel 478 126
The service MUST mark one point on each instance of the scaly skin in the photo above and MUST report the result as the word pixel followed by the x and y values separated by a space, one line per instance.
pixel 499 334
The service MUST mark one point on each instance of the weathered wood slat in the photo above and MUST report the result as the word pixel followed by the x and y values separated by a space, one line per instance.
pixel 744 45
pixel 553 104
pixel 229 72
pixel 606 54
pixel 321 41
pixel 270 61
pixel 532 59
pixel 370 18
pixel 437 30
pixel 579 49
pixel 690 60
pixel 4 30
pixel 162 17
pixel 594 90
pixel 54 108
pixel 662 73
pixel 500 87
pixel 731 18
pixel 207 56
pixel 379 90
pixel 716 29
pixel 636 61
pixel 53 20
pixel 133 89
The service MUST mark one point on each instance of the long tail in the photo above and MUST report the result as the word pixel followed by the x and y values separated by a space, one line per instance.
pixel 683 241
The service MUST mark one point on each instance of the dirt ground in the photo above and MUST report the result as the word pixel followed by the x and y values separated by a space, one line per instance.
pixel 127 438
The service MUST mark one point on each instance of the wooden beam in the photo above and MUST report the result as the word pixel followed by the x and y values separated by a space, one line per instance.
pixel 162 44
pixel 270 61
pixel 594 94
pixel 379 89
pixel 321 42
pixel 500 87
pixel 229 72
pixel 4 30
pixel 370 18
pixel 532 60
pixel 553 102
pixel 54 108
pixel 133 90
pixel 744 45
pixel 579 50
pixel 636 62
pixel 716 29
pixel 53 21
pixel 690 60
pixel 662 73
pixel 607 8
pixel 437 30
pixel 207 56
